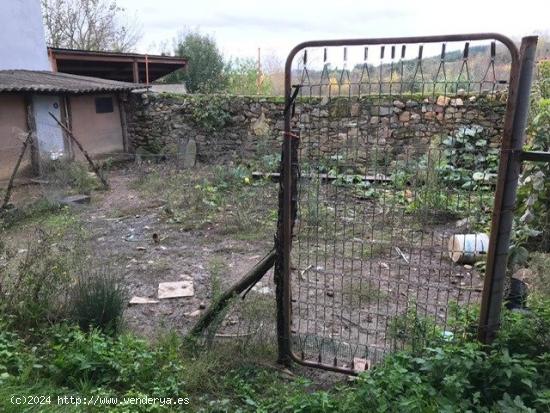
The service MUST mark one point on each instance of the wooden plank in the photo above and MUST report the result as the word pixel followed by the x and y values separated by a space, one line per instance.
pixel 275 176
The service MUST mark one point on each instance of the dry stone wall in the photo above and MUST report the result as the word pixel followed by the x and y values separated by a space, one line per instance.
pixel 244 128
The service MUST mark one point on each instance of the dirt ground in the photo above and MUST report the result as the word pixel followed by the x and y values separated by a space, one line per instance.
pixel 390 262
pixel 121 223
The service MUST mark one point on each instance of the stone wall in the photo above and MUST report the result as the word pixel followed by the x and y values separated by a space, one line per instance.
pixel 241 128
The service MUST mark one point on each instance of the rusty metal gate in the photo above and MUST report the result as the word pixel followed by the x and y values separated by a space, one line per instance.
pixel 394 149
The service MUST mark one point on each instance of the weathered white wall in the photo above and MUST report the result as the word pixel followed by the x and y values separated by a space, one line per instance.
pixel 22 40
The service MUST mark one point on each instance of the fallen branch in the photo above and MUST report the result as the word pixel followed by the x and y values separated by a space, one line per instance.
pixel 15 169
pixel 88 158
pixel 251 277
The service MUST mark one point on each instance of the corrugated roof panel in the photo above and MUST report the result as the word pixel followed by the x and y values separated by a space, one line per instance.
pixel 50 82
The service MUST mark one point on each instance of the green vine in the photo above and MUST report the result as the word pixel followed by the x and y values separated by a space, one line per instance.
pixel 211 113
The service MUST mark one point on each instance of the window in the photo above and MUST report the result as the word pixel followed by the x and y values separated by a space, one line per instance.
pixel 104 104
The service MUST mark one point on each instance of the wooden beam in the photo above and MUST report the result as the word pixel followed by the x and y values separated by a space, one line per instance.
pixel 135 69
pixel 88 158
pixel 7 196
pixel 31 127
pixel 275 176
pixel 121 99
pixel 250 278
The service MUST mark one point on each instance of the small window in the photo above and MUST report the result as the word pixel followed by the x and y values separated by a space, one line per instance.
pixel 104 104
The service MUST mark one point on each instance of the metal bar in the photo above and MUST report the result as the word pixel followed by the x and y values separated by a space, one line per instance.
pixel 505 197
pixel 535 156
pixel 400 40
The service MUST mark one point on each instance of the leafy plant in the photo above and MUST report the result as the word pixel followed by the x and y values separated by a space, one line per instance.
pixel 532 224
pixel 413 331
pixel 211 112
pixel 11 356
pixel 469 160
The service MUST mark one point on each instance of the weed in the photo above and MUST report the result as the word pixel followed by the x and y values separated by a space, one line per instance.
pixel 216 267
pixel 98 300
pixel 413 332
pixel 34 285
pixel 62 174
pixel 211 112
pixel 35 211
pixel 359 293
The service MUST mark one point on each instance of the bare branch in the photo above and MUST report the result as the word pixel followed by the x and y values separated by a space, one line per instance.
pixel 90 25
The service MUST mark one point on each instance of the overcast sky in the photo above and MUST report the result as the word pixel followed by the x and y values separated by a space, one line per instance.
pixel 241 26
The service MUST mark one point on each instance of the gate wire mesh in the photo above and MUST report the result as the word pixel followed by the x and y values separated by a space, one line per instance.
pixel 398 152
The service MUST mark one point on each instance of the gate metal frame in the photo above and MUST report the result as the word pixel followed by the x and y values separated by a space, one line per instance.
pixel 510 159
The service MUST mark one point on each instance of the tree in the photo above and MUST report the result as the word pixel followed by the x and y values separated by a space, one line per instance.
pixel 242 78
pixel 205 70
pixel 89 25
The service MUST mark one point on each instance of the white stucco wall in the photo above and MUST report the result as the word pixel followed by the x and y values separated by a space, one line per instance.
pixel 22 40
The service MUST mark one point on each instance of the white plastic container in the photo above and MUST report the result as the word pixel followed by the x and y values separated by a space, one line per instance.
pixel 468 248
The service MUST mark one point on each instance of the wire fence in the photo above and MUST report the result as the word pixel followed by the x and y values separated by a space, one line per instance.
pixel 393 206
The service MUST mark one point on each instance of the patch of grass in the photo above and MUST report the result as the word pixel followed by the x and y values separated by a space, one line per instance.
pixel 377 247
pixel 36 211
pixel 161 264
pixel 216 267
pixel 74 175
pixel 224 198
pixel 98 300
pixel 35 281
pixel 360 293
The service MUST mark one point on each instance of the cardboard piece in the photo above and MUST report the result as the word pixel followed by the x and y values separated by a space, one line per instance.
pixel 176 289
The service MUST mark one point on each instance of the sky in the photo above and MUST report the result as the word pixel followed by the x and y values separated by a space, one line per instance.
pixel 240 27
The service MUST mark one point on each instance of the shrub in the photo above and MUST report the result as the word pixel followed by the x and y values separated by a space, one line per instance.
pixel 211 112
pixel 412 331
pixel 468 159
pixel 125 362
pixel 34 284
pixel 61 173
pixel 98 301
pixel 242 78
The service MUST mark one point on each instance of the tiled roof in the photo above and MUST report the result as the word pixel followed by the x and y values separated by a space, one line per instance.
pixel 48 82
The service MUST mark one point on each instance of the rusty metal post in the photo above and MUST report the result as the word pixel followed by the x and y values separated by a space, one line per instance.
pixel 287 216
pixel 505 197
